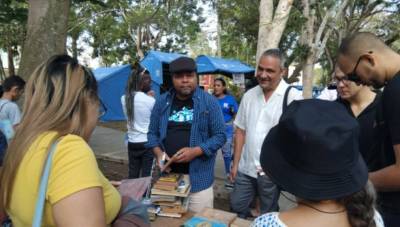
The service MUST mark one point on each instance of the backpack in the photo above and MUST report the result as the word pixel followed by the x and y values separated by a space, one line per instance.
pixel 3 137
pixel 285 99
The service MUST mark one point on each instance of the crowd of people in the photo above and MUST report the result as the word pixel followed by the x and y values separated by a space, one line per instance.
pixel 340 159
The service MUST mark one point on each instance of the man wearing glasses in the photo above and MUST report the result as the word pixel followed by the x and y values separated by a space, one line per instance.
pixel 365 59
pixel 366 106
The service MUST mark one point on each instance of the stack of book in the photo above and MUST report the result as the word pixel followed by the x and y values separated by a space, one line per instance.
pixel 169 182
pixel 170 195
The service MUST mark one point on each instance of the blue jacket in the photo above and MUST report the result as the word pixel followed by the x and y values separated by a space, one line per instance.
pixel 207 132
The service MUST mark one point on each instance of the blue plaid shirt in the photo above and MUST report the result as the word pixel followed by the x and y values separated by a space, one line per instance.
pixel 207 132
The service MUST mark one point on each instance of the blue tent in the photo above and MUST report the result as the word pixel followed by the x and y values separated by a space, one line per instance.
pixel 112 82
pixel 213 65
pixel 157 63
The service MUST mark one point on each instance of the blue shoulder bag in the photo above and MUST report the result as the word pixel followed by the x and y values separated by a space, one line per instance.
pixel 39 208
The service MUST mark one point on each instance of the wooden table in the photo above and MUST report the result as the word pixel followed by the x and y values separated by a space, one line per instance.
pixel 171 222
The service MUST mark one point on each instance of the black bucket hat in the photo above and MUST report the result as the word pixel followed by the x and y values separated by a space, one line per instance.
pixel 313 151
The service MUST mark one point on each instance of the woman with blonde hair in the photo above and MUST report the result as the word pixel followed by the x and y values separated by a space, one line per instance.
pixel 61 110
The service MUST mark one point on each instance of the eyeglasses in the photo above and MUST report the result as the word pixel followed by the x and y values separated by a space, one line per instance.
pixel 102 109
pixel 344 80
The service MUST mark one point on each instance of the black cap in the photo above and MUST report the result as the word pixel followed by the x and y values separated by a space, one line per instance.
pixel 182 64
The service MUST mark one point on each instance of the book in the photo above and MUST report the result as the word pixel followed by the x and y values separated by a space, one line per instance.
pixel 167 186
pixel 162 198
pixel 171 215
pixel 172 177
pixel 178 202
pixel 183 189
pixel 180 206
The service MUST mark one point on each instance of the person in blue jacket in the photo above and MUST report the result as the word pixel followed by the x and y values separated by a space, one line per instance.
pixel 229 109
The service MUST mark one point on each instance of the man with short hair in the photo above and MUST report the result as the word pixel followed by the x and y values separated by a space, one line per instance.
pixel 366 107
pixel 260 110
pixel 366 59
pixel 13 88
pixel 187 125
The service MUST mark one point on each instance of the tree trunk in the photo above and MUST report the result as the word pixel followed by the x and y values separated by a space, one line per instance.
pixel 308 38
pixel 11 67
pixel 46 33
pixel 316 42
pixel 74 47
pixel 308 75
pixel 139 50
pixel 219 51
pixel 272 24
pixel 2 72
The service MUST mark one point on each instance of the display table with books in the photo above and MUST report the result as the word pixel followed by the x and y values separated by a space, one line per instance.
pixel 170 201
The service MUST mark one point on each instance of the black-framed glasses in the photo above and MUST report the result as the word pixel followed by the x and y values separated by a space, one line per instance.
pixel 344 80
pixel 102 109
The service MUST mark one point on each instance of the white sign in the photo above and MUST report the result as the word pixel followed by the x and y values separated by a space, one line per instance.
pixel 238 79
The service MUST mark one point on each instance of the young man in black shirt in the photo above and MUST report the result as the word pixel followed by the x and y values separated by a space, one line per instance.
pixel 365 59
pixel 366 106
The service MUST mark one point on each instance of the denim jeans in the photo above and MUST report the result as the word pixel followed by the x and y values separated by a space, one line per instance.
pixel 227 154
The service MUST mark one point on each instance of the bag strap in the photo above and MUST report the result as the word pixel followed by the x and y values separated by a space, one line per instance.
pixel 285 99
pixel 5 103
pixel 37 218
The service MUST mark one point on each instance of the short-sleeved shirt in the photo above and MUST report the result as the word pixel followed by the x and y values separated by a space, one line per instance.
pixel 229 108
pixel 257 116
pixel 178 131
pixel 391 111
pixel 10 110
pixel 143 105
pixel 74 168
pixel 272 220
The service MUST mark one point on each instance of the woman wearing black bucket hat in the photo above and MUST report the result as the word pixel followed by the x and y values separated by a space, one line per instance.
pixel 313 154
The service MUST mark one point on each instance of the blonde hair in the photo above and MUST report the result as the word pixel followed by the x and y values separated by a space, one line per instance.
pixel 56 99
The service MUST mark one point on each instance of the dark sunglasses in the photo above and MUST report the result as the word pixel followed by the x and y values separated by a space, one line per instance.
pixel 353 75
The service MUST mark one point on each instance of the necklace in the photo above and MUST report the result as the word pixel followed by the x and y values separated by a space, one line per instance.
pixel 312 207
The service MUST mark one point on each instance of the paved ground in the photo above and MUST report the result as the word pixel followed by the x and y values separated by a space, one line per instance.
pixel 108 144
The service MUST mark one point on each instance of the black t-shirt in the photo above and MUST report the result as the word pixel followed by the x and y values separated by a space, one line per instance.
pixel 391 112
pixel 372 132
pixel 178 131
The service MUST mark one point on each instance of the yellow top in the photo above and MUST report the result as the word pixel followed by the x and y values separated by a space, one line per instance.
pixel 74 168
